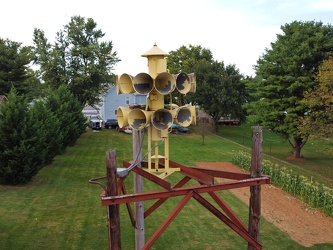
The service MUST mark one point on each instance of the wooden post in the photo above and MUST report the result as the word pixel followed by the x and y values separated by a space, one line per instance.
pixel 255 191
pixel 113 210
pixel 138 206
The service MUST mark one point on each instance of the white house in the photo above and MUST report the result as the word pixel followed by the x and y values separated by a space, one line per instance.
pixel 90 112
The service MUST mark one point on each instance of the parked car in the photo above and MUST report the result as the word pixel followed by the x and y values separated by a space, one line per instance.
pixel 179 129
pixel 127 129
pixel 111 123
pixel 95 124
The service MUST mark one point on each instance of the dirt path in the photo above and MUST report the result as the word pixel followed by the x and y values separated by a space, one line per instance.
pixel 305 226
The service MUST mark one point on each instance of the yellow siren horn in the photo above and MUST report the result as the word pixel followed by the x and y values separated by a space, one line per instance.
pixel 125 84
pixel 165 83
pixel 122 116
pixel 183 83
pixel 139 118
pixel 143 83
pixel 162 119
pixel 193 81
pixel 183 116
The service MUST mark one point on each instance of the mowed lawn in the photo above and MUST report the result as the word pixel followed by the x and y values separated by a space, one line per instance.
pixel 60 209
pixel 316 162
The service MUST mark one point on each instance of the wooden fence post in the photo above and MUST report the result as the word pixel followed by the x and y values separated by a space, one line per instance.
pixel 255 191
pixel 139 206
pixel 113 210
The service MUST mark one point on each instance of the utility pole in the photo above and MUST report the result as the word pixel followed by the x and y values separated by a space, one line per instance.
pixel 138 206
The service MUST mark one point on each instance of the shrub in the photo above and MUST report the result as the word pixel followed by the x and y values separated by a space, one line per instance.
pixel 22 153
pixel 50 126
pixel 32 135
pixel 68 111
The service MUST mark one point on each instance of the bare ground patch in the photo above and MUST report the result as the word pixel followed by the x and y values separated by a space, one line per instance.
pixel 305 226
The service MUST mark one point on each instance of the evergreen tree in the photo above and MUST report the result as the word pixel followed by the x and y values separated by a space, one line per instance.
pixel 15 61
pixel 21 141
pixel 49 125
pixel 63 104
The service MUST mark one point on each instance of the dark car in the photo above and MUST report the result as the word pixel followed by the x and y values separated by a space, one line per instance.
pixel 111 123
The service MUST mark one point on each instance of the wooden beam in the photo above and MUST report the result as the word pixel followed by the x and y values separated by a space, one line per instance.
pixel 255 191
pixel 182 191
pixel 128 206
pixel 112 209
pixel 161 201
pixel 193 173
pixel 149 176
pixel 226 220
pixel 168 220
pixel 223 205
pixel 223 174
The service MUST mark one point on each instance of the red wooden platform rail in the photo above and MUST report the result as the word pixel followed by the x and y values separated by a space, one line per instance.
pixel 206 184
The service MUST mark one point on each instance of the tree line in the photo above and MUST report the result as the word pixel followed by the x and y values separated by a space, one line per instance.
pixel 289 94
pixel 43 114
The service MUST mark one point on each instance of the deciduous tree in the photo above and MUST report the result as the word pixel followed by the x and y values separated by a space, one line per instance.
pixel 319 119
pixel 220 91
pixel 288 69
pixel 184 60
pixel 78 59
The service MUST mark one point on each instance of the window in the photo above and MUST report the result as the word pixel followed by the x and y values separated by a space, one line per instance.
pixel 127 100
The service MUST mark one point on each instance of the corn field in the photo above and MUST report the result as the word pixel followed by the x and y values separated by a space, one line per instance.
pixel 312 193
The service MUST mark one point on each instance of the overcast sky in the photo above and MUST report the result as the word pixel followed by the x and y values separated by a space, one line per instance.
pixel 236 31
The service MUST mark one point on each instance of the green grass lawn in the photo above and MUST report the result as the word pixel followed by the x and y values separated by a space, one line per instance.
pixel 316 163
pixel 60 209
